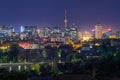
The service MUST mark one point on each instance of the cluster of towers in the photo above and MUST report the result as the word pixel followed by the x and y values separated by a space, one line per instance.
pixel 56 32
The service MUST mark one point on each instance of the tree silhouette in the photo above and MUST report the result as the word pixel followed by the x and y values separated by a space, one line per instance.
pixel 13 52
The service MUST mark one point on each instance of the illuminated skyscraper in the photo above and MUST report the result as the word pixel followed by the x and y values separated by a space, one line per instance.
pixel 47 31
pixel 56 30
pixel 73 32
pixel 22 29
pixel 98 31
pixel 29 30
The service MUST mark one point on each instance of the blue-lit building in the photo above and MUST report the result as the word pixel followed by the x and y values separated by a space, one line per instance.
pixel 29 30
pixel 22 29
pixel 56 30
pixel 6 30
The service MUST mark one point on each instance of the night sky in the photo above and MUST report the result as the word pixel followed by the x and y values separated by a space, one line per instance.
pixel 84 13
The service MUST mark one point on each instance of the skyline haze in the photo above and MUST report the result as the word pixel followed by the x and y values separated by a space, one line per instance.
pixel 84 13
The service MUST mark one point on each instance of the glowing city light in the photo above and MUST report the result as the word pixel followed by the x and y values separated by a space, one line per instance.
pixel 109 29
pixel 93 30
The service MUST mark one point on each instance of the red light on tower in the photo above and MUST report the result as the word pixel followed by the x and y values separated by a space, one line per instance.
pixel 109 29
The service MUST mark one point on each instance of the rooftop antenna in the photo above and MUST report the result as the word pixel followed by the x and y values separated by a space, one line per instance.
pixel 65 21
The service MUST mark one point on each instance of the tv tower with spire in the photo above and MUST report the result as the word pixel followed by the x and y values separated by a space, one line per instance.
pixel 65 21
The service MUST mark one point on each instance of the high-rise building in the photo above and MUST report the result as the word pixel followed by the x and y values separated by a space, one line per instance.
pixel 56 30
pixel 66 32
pixel 29 30
pixel 57 36
pixel 98 31
pixel 73 32
pixel 47 31
pixel 40 32
pixel 22 29
pixel 6 30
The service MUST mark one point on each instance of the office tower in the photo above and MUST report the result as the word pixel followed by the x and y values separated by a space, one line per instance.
pixel 56 30
pixel 98 31
pixel 6 30
pixel 73 32
pixel 22 29
pixel 29 30
pixel 47 31
pixel 40 33
pixel 56 36
pixel 66 32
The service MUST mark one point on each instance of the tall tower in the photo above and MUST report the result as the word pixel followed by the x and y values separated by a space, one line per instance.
pixel 98 31
pixel 65 21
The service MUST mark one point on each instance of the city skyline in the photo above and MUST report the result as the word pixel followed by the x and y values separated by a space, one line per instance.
pixel 84 13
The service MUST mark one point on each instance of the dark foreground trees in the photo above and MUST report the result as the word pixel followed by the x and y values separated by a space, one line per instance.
pixel 65 61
